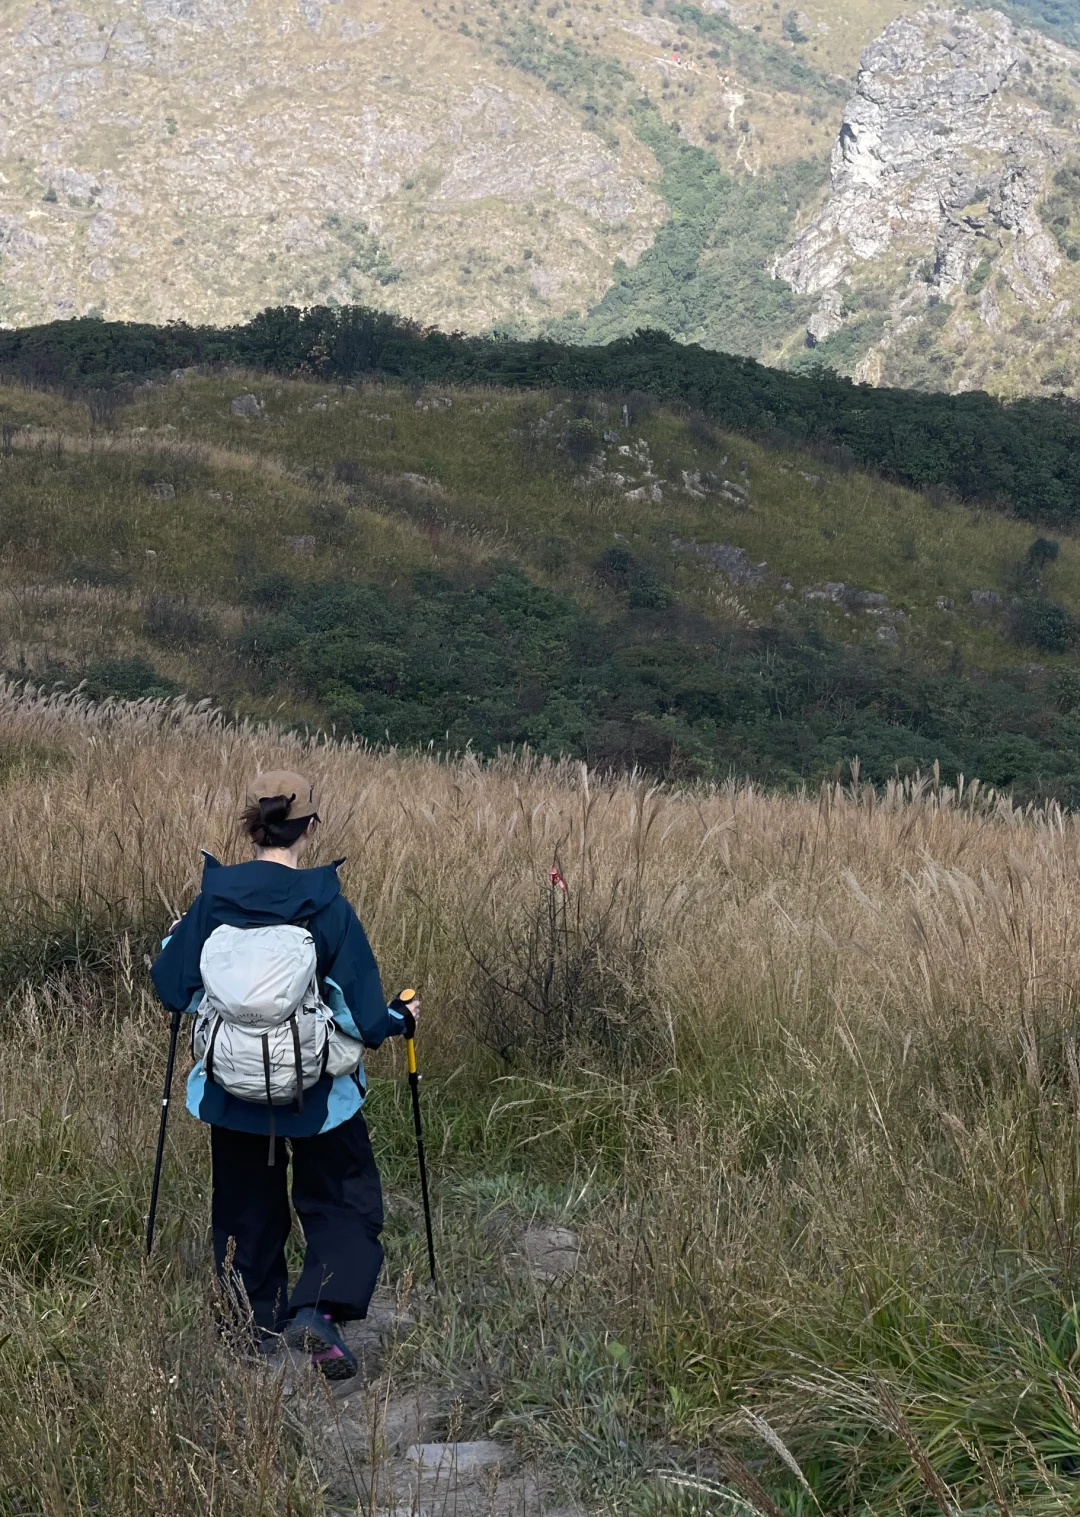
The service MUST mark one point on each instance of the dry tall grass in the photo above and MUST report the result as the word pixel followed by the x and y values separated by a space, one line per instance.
pixel 802 1069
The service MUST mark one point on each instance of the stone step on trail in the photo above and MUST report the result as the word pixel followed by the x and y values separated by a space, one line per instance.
pixel 552 1253
pixel 466 1458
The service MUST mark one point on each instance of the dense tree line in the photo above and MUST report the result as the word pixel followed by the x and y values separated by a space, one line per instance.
pixel 1022 455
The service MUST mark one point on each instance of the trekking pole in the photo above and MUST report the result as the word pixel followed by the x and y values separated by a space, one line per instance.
pixel 401 1004
pixel 174 1034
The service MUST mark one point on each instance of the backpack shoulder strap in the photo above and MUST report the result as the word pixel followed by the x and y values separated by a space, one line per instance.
pixel 305 923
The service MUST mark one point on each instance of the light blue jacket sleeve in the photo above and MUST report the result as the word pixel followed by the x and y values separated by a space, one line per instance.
pixel 335 999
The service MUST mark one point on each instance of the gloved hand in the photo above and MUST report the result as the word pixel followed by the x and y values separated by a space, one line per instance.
pixel 407 1007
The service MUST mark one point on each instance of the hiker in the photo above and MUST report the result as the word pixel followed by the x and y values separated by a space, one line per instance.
pixel 285 992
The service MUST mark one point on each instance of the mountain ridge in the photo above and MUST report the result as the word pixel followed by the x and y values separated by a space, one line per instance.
pixel 547 169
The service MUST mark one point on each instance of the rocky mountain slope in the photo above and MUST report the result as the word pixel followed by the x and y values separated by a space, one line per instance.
pixel 949 225
pixel 579 169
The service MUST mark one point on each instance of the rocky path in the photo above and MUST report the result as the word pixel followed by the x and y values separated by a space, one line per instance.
pixel 388 1451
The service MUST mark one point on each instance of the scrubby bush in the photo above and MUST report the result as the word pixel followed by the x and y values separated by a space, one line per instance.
pixel 1040 621
pixel 569 980
pixel 1043 551
pixel 172 619
pixel 128 679
pixel 581 440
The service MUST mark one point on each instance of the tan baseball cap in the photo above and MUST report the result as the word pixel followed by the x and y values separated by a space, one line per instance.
pixel 288 783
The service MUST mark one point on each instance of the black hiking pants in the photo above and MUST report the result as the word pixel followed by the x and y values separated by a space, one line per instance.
pixel 336 1195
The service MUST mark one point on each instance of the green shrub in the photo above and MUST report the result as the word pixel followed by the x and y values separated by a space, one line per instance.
pixel 582 441
pixel 1060 208
pixel 705 278
pixel 128 679
pixel 1042 622
pixel 1043 551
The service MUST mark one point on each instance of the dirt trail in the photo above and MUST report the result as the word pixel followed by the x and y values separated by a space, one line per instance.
pixel 387 1450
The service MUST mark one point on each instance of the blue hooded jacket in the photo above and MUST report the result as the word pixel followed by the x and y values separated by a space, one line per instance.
pixel 262 894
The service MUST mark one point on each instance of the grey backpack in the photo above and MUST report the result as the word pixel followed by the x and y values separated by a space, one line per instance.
pixel 263 1030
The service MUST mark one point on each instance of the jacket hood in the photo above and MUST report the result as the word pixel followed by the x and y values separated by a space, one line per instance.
pixel 262 894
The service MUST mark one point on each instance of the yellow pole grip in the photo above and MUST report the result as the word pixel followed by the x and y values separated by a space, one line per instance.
pixel 410 1047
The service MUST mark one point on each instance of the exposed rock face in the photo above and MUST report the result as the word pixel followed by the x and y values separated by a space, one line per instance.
pixel 947 146
pixel 826 320
pixel 929 126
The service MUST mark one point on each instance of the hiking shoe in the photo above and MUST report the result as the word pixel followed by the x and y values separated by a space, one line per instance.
pixel 314 1332
pixel 268 1344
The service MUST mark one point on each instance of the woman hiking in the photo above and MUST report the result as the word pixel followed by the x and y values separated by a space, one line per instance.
pixel 275 966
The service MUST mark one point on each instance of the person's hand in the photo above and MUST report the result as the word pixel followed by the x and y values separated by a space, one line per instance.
pixel 408 1010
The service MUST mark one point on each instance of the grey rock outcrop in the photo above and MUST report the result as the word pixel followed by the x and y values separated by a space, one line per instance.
pixel 826 320
pixel 946 147
pixel 734 563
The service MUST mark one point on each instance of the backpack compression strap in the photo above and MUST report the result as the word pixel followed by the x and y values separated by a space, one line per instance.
pixel 269 1099
pixel 208 1057
pixel 298 1103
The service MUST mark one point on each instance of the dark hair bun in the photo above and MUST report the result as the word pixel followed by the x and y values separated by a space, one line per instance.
pixel 274 809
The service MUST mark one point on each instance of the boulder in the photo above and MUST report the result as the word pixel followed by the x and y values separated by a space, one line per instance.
pixel 423 484
pixel 552 1252
pixel 246 406
pixel 731 561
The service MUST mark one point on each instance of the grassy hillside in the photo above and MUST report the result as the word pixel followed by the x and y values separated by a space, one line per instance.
pixel 598 578
pixel 800 1072
pixel 1020 456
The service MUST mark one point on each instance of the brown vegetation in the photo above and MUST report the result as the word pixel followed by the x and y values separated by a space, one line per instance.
pixel 809 1091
